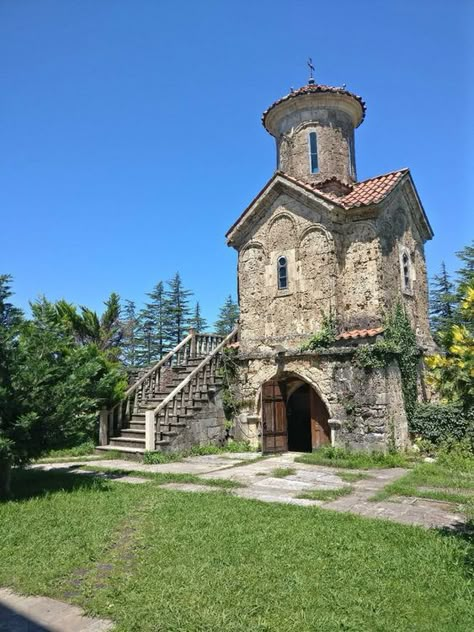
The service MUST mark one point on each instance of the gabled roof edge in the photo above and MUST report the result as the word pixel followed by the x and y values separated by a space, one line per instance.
pixel 289 179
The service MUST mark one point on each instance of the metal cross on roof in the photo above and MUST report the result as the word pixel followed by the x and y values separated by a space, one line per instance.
pixel 311 69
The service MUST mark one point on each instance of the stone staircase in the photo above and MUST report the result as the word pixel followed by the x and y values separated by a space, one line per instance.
pixel 159 410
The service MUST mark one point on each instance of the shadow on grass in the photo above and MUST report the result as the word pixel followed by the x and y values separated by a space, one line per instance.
pixel 12 621
pixel 35 483
pixel 464 532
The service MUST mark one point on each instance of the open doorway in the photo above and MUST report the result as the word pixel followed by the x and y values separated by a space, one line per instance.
pixel 294 417
pixel 298 412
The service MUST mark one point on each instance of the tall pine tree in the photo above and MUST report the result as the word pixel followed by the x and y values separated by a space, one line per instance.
pixel 228 317
pixel 153 318
pixel 442 302
pixel 130 325
pixel 197 322
pixel 145 337
pixel 177 310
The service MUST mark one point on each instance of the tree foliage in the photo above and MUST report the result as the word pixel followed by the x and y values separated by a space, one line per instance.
pixel 197 321
pixel 88 327
pixel 228 317
pixel 152 342
pixel 53 379
pixel 178 311
pixel 130 331
pixel 443 302
pixel 452 373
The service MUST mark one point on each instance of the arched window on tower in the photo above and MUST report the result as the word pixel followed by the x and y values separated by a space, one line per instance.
pixel 313 152
pixel 282 273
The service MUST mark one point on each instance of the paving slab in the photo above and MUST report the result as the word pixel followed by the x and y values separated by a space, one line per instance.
pixel 19 613
pixel 191 487
pixel 257 476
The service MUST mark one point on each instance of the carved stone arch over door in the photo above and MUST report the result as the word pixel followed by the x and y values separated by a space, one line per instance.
pixel 317 274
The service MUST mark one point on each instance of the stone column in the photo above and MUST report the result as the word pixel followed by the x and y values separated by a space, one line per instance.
pixel 103 427
pixel 150 431
pixel 335 425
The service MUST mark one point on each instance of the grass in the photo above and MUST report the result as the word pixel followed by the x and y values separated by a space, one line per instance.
pixel 85 449
pixel 353 477
pixel 339 457
pixel 217 563
pixel 451 480
pixel 161 478
pixel 156 458
pixel 282 472
pixel 327 494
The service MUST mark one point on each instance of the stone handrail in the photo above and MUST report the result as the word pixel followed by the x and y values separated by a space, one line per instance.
pixel 192 383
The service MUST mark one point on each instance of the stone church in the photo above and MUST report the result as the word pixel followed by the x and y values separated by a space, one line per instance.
pixel 317 241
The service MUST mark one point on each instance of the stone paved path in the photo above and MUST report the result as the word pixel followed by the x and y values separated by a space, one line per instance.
pixel 41 614
pixel 260 484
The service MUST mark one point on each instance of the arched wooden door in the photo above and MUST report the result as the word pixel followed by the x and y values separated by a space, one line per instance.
pixel 275 418
pixel 320 430
pixel 274 421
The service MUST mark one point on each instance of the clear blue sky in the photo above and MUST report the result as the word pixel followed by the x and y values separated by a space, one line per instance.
pixel 130 134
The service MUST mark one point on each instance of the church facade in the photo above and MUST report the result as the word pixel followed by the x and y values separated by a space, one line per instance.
pixel 314 244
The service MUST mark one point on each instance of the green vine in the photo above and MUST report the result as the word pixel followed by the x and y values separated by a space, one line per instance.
pixel 228 371
pixel 323 338
pixel 398 344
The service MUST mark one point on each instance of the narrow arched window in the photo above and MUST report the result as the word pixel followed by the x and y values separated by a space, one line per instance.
pixel 406 272
pixel 313 152
pixel 282 273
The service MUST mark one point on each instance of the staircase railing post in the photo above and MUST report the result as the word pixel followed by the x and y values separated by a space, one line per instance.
pixel 150 431
pixel 193 334
pixel 103 427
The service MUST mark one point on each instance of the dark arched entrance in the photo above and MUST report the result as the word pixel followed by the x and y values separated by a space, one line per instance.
pixel 294 417
pixel 298 414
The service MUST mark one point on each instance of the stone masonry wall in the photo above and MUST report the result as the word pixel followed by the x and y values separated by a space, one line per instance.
pixel 350 266
pixel 399 233
pixel 335 140
pixel 332 266
pixel 368 404
pixel 206 426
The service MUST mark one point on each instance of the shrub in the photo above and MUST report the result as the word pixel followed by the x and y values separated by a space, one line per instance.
pixel 440 422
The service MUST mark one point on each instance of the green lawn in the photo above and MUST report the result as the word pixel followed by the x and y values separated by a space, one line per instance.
pixel 156 560
pixel 339 457
pixel 451 480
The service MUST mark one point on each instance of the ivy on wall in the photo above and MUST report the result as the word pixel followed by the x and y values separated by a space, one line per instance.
pixel 228 371
pixel 399 345
pixel 323 338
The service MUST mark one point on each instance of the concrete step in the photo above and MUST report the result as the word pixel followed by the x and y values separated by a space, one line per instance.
pixel 128 442
pixel 131 433
pixel 125 450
